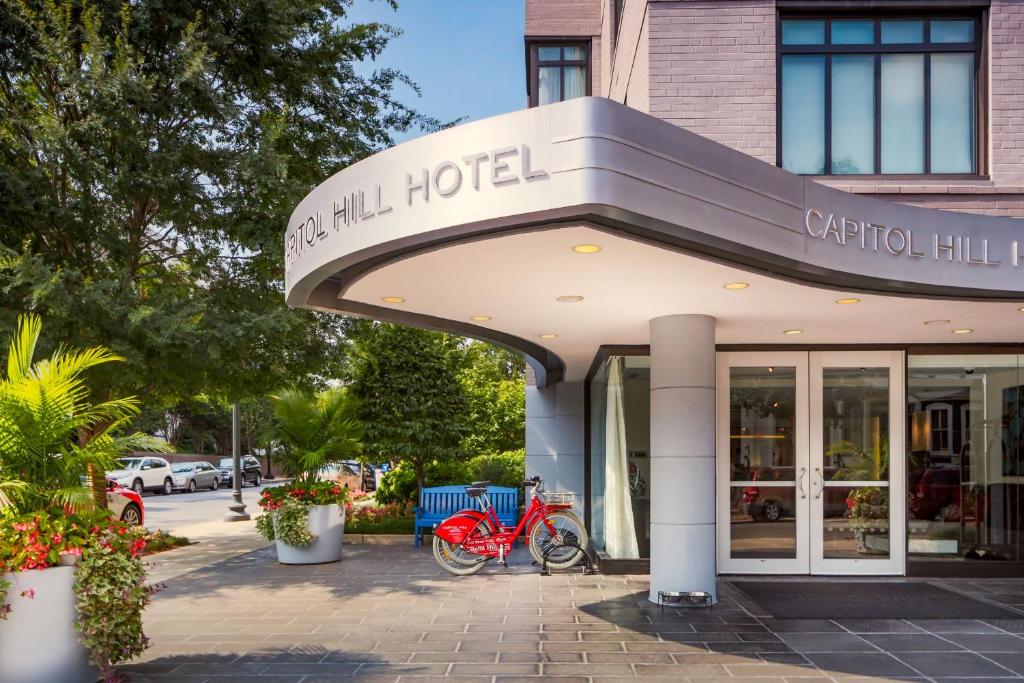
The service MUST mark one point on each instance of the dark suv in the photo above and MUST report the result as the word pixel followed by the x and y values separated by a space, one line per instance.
pixel 251 471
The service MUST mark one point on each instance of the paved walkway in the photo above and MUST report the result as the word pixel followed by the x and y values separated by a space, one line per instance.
pixel 388 614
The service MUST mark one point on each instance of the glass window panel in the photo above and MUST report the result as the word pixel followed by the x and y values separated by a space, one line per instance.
pixel 853 114
pixel 575 82
pixel 762 522
pixel 902 32
pixel 549 87
pixel 902 113
pixel 855 524
pixel 803 113
pixel 965 467
pixel 573 52
pixel 853 32
pixel 952 31
pixel 549 53
pixel 762 409
pixel 803 33
pixel 952 113
pixel 855 424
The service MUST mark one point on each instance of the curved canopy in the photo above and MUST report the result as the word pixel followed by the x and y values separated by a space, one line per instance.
pixel 480 221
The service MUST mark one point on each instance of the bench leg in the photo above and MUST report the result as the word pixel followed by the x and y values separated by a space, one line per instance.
pixel 416 537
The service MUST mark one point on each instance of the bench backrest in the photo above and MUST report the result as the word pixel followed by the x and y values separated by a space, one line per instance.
pixel 444 500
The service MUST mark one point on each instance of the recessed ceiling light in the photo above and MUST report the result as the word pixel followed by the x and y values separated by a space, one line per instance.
pixel 393 300
pixel 935 322
pixel 736 285
pixel 1021 309
pixel 792 332
pixel 548 335
pixel 851 300
pixel 963 330
pixel 569 298
pixel 586 248
pixel 480 318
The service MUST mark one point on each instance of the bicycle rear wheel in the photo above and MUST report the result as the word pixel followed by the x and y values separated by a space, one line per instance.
pixel 455 559
pixel 569 529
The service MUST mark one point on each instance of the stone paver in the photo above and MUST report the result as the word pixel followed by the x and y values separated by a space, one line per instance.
pixel 387 613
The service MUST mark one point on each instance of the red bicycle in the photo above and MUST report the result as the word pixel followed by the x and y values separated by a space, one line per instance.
pixel 469 539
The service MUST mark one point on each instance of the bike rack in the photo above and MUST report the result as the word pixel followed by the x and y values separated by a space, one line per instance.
pixel 587 561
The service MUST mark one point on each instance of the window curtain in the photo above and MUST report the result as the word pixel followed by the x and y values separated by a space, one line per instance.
pixel 619 529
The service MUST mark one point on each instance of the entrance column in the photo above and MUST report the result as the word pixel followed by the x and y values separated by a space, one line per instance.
pixel 682 454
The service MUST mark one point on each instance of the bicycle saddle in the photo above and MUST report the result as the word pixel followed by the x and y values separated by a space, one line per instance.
pixel 480 484
pixel 475 491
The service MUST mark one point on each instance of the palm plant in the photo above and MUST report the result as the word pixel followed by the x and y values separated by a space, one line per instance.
pixel 315 431
pixel 51 435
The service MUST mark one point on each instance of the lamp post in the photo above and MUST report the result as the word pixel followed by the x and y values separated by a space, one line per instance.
pixel 238 513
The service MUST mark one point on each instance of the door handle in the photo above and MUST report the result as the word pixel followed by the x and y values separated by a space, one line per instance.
pixel 821 483
pixel 800 482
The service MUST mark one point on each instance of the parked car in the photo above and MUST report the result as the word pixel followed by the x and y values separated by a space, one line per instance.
pixel 125 504
pixel 937 495
pixel 144 474
pixel 355 475
pixel 251 471
pixel 192 476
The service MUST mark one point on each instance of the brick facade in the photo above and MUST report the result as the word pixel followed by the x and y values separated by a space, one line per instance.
pixel 710 66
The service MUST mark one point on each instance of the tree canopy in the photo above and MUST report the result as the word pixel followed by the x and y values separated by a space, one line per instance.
pixel 150 156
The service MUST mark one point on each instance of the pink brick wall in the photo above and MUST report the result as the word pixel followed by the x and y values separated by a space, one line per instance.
pixel 1006 68
pixel 712 70
pixel 580 18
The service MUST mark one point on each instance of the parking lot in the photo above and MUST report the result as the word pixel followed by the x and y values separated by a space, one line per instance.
pixel 180 511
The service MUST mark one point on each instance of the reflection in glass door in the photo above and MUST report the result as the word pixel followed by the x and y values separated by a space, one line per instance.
pixel 857 438
pixel 763 495
pixel 809 447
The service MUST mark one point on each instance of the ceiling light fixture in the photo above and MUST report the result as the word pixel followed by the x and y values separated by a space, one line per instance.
pixel 548 335
pixel 569 299
pixel 736 285
pixel 935 322
pixel 963 330
pixel 393 300
pixel 586 248
pixel 480 318
pixel 792 332
pixel 1021 309
pixel 850 300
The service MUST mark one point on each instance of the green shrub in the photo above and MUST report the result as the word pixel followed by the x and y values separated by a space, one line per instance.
pixel 501 469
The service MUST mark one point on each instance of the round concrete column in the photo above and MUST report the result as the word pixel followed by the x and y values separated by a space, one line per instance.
pixel 682 454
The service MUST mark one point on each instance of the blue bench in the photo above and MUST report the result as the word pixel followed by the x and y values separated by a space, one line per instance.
pixel 438 503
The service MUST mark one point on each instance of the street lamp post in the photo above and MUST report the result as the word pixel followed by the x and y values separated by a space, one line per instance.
pixel 238 513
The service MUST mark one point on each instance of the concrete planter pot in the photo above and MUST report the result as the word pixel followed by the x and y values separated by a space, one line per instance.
pixel 38 640
pixel 328 523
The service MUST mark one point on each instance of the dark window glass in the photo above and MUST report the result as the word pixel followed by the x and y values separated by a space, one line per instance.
pixel 862 96
pixel 803 32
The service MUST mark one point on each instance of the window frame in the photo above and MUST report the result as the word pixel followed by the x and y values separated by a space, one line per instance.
pixel 533 63
pixel 978 47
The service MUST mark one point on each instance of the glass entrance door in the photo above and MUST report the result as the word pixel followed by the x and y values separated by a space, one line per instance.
pixel 809 447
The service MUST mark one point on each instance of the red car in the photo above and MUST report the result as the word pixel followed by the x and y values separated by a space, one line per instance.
pixel 125 504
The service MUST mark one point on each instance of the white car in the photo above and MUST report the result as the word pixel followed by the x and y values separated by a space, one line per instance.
pixel 144 474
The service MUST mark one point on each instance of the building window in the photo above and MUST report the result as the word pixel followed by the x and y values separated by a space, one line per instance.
pixel 558 72
pixel 868 96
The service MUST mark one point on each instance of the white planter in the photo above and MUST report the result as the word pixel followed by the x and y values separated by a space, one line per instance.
pixel 38 640
pixel 328 523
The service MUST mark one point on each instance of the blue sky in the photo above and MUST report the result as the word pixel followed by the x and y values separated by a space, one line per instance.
pixel 466 55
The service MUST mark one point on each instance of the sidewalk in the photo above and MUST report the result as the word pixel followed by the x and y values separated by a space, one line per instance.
pixel 213 542
pixel 387 613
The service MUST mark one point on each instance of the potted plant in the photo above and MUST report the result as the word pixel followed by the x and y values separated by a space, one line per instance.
pixel 306 518
pixel 57 623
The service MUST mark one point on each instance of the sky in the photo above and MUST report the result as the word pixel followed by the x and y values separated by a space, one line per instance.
pixel 466 55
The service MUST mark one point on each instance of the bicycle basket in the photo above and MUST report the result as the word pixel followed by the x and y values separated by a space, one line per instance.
pixel 559 497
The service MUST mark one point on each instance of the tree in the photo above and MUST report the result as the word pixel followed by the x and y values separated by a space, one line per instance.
pixel 150 156
pixel 410 398
pixel 44 405
pixel 494 382
pixel 316 431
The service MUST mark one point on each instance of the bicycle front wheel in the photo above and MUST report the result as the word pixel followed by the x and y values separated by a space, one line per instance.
pixel 569 532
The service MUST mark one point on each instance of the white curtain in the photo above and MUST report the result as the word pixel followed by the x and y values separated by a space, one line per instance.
pixel 620 533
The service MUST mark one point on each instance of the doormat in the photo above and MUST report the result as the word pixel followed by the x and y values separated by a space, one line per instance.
pixel 866 600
